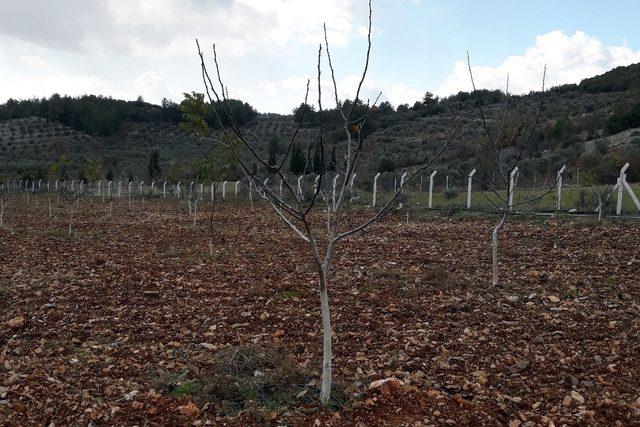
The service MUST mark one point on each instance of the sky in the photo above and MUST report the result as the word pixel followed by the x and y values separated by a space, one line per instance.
pixel 268 48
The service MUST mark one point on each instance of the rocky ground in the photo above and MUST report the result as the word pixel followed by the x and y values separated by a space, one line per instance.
pixel 122 322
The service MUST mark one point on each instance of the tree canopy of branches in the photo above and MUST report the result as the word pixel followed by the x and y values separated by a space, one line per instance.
pixel 296 210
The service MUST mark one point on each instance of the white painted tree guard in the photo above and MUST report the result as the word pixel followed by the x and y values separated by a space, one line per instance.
pixel 300 185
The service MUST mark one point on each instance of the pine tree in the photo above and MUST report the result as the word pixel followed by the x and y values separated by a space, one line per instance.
pixel 297 163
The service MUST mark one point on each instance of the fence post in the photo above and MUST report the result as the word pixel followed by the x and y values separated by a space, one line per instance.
pixel 375 190
pixel 559 179
pixel 433 174
pixel 469 182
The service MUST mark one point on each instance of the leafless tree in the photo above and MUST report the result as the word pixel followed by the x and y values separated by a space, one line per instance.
pixel 509 134
pixel 294 210
pixel 72 195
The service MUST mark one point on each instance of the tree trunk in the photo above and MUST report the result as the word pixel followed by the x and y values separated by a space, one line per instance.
pixel 1 213
pixel 195 210
pixel 599 209
pixel 494 245
pixel 326 339
pixel 49 200
pixel 70 223
pixel 210 246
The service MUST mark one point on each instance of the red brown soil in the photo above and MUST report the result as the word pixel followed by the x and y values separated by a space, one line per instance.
pixel 133 294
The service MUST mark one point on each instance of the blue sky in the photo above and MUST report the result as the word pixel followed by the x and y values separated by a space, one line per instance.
pixel 126 48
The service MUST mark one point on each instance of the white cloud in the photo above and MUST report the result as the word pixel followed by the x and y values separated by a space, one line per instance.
pixel 569 59
pixel 169 27
pixel 400 93
pixel 46 85
pixel 153 88
pixel 289 93
pixel 34 61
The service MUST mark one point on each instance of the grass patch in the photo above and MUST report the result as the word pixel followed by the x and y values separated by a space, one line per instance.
pixel 57 233
pixel 255 378
pixel 287 295
pixel 4 293
pixel 435 278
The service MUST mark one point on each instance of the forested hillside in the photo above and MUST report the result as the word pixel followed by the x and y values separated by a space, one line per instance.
pixel 590 126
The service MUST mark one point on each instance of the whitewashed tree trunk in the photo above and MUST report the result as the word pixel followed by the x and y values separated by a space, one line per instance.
pixel 599 209
pixel 70 230
pixel 50 212
pixel 327 354
pixel 494 246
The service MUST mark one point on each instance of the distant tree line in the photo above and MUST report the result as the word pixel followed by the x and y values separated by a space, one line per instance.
pixel 103 116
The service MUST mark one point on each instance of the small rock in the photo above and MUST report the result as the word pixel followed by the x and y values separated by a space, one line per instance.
pixel 513 298
pixel 16 323
pixel 278 333
pixel 577 396
pixel 207 346
pixel 567 401
pixel 553 298
pixel 190 410
pixel 519 367
pixel 388 386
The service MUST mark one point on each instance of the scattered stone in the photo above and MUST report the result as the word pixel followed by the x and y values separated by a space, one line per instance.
pixel 207 346
pixel 388 386
pixel 567 401
pixel 513 298
pixel 15 323
pixel 190 410
pixel 553 298
pixel 577 396
pixel 519 367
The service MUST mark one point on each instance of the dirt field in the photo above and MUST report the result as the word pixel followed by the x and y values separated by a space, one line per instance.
pixel 108 326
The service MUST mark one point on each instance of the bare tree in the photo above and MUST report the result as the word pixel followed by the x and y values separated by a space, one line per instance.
pixel 72 195
pixel 511 134
pixel 296 212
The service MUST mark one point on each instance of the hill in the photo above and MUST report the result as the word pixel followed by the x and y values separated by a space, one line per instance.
pixel 117 138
